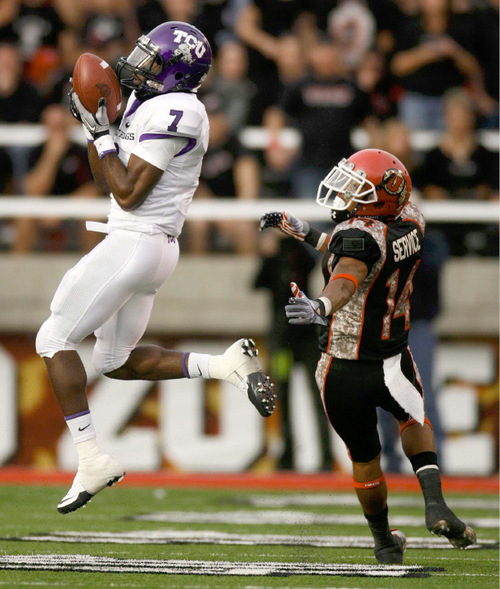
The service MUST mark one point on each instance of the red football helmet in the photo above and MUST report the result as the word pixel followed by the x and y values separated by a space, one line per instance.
pixel 374 179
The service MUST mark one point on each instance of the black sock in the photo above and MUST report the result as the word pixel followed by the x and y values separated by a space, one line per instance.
pixel 426 468
pixel 379 527
pixel 423 459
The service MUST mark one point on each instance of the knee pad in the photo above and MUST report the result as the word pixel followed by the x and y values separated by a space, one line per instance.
pixel 50 340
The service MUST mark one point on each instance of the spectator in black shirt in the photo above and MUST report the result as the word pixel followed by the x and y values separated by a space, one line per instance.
pixel 109 28
pixel 57 167
pixel 6 187
pixel 228 171
pixel 459 168
pixel 260 24
pixel 434 52
pixel 36 27
pixel 324 107
pixel 206 16
pixel 374 79
pixel 19 100
pixel 6 172
pixel 228 87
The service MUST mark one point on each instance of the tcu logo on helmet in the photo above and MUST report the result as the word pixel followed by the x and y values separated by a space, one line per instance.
pixel 394 183
pixel 187 42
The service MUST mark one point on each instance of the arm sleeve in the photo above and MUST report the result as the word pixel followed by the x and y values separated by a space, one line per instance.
pixel 355 243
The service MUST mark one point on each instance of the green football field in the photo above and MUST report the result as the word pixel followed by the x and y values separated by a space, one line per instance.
pixel 201 538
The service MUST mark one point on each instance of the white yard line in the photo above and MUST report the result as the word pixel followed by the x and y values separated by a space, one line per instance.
pixel 350 500
pixel 86 563
pixel 215 537
pixel 283 517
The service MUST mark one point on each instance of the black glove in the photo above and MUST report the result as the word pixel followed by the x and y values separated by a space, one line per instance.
pixel 285 223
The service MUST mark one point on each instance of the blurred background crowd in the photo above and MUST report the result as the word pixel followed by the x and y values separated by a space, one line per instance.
pixel 391 68
pixel 296 85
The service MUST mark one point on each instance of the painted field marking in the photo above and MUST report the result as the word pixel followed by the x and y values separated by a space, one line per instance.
pixel 283 517
pixel 212 537
pixel 350 500
pixel 101 564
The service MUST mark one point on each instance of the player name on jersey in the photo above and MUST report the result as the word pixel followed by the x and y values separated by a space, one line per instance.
pixel 406 246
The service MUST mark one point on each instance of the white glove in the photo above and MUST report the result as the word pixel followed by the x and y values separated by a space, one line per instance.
pixel 302 310
pixel 285 223
pixel 96 127
pixel 96 124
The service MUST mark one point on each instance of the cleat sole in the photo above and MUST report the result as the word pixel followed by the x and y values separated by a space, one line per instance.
pixel 261 393
pixel 441 521
pixel 84 497
pixel 117 479
pixel 82 500
pixel 461 541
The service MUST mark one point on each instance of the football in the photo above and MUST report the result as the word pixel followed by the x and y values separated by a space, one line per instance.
pixel 94 79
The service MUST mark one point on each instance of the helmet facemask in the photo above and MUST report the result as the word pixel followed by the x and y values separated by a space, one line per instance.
pixel 139 70
pixel 344 186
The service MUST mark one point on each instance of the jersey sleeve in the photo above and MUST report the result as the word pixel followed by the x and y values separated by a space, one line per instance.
pixel 168 133
pixel 355 243
pixel 159 151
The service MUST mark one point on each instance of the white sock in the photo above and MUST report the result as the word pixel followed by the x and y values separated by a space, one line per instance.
pixel 81 427
pixel 197 365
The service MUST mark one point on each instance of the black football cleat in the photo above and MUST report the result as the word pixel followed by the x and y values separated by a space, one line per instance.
pixel 441 521
pixel 392 553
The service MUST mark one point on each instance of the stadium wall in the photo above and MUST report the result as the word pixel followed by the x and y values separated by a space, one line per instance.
pixel 186 426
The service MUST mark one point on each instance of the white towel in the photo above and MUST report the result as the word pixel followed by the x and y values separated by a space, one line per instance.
pixel 402 390
pixel 96 226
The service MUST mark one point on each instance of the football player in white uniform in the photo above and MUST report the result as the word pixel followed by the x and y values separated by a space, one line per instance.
pixel 151 171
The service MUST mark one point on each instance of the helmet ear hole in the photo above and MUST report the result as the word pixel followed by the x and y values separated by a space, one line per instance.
pixel 179 75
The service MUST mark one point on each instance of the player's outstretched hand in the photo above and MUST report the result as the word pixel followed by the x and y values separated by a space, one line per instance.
pixel 301 310
pixel 286 223
pixel 96 124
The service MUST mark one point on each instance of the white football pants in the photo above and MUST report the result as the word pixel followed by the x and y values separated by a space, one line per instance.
pixel 110 292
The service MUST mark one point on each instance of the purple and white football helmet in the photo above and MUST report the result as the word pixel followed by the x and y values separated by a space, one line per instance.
pixel 174 56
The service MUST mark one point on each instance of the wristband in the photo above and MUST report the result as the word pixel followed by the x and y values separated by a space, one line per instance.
pixel 327 305
pixel 350 277
pixel 104 145
pixel 314 237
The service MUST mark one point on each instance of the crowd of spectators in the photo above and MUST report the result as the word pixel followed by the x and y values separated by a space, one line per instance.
pixel 321 67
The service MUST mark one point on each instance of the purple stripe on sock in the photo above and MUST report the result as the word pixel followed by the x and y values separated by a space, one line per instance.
pixel 184 369
pixel 77 415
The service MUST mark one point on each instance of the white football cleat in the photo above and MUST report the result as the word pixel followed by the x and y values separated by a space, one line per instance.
pixel 239 366
pixel 103 471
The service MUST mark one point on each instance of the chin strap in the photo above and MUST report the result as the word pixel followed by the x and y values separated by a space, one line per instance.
pixel 340 216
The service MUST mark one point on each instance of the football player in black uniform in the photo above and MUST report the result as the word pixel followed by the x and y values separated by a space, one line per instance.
pixel 364 310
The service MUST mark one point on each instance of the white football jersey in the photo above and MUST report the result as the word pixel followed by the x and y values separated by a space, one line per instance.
pixel 149 130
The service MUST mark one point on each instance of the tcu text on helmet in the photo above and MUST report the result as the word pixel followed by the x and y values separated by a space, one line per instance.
pixel 191 41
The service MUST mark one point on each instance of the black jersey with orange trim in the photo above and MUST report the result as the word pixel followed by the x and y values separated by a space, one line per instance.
pixel 374 324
